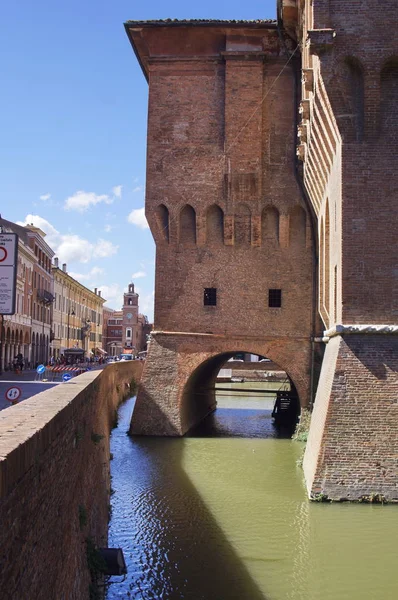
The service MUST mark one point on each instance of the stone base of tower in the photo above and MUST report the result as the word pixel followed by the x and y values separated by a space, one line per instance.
pixel 352 449
pixel 176 391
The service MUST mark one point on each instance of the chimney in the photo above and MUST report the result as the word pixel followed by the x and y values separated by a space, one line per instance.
pixel 95 291
pixel 56 262
pixel 64 267
pixel 99 292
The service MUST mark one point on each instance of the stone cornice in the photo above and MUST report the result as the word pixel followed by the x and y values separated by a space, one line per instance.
pixel 361 329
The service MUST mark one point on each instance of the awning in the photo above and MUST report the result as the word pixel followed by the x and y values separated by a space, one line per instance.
pixel 101 351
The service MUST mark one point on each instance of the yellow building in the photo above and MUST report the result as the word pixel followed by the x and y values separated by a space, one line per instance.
pixel 77 317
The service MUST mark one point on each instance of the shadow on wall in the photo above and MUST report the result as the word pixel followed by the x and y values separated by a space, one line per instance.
pixel 192 558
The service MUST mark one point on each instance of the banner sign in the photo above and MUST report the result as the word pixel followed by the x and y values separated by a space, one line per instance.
pixel 8 272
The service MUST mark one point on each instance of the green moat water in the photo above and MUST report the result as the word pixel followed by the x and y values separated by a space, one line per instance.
pixel 223 515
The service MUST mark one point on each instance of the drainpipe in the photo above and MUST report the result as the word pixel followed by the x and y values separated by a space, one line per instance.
pixel 296 68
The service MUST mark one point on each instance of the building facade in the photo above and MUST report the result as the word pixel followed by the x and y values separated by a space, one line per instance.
pixel 113 327
pixel 77 316
pixel 42 298
pixel 271 196
pixel 126 329
pixel 28 332
pixel 234 242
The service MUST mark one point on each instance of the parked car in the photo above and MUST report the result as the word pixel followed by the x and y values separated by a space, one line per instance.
pixel 126 357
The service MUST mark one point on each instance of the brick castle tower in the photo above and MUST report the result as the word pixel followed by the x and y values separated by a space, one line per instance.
pixel 263 252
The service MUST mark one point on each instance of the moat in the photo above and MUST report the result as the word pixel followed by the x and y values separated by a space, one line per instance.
pixel 222 514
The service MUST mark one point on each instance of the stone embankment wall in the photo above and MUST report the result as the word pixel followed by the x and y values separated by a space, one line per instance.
pixel 55 484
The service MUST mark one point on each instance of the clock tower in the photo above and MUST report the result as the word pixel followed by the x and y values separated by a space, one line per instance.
pixel 130 319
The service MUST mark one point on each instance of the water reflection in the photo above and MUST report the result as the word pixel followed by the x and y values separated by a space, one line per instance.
pixel 174 547
pixel 225 518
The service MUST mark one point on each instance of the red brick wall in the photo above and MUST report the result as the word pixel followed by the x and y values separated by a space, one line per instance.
pixel 221 133
pixel 353 443
pixel 361 88
pixel 49 467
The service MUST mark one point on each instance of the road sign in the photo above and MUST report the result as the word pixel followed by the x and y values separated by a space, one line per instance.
pixel 13 394
pixel 8 272
pixel 40 369
pixel 66 377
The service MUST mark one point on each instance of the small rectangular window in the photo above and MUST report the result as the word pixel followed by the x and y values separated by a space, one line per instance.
pixel 274 298
pixel 210 297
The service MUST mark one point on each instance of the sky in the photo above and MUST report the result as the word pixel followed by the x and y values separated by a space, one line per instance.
pixel 73 111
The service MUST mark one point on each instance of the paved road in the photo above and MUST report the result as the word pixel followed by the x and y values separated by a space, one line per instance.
pixel 26 382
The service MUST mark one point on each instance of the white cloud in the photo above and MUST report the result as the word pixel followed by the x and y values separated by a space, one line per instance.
pixel 45 197
pixel 137 217
pixel 71 247
pixel 113 294
pixel 81 201
pixel 138 275
pixel 146 302
pixel 108 228
pixel 104 248
pixel 117 191
pixel 90 276
pixel 138 188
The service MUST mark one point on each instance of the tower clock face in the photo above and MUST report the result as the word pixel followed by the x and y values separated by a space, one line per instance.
pixel 129 315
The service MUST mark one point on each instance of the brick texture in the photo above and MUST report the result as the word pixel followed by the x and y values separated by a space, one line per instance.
pixel 223 205
pixel 49 467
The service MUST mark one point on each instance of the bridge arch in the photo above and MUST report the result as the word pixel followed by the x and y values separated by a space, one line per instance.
pixel 199 395
pixel 182 393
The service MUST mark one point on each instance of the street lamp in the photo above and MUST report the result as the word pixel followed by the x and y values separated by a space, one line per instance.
pixel 70 313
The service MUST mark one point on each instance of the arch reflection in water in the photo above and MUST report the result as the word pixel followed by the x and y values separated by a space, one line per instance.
pixel 173 546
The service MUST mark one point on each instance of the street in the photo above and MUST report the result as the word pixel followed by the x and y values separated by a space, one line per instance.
pixel 25 381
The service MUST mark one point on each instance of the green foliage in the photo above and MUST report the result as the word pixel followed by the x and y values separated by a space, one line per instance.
pixel 301 437
pixel 78 438
pixel 96 437
pixel 299 461
pixel 320 497
pixel 82 516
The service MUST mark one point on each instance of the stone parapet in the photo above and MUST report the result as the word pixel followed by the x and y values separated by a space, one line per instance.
pixel 54 483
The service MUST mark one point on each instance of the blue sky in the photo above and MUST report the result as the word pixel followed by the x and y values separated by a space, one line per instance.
pixel 73 112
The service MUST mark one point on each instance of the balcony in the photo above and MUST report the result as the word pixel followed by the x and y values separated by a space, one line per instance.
pixel 45 296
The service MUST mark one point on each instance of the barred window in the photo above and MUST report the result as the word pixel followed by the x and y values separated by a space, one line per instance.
pixel 210 297
pixel 274 298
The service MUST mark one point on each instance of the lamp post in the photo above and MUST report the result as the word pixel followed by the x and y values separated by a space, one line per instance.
pixel 70 313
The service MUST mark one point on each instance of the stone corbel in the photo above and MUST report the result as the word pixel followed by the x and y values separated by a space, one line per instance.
pixel 301 152
pixel 308 79
pixel 320 40
pixel 305 109
pixel 302 132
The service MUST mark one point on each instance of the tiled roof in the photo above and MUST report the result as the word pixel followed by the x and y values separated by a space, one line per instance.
pixel 163 22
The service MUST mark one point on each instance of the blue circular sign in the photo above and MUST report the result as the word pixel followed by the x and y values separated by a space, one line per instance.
pixel 66 377
pixel 40 369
